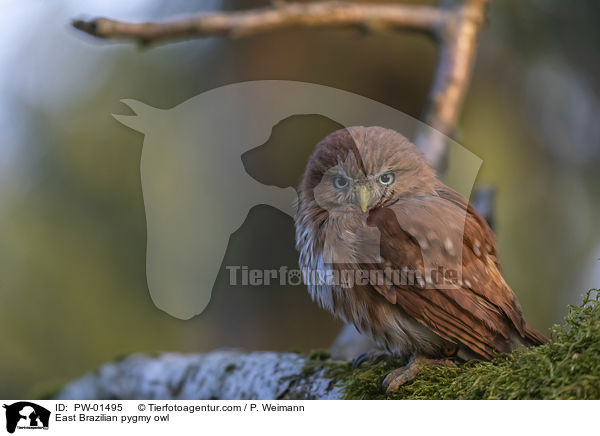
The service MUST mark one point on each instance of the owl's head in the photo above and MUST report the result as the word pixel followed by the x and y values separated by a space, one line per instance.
pixel 358 169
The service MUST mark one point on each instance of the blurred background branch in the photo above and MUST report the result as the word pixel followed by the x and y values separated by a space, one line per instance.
pixel 456 25
pixel 458 45
pixel 280 15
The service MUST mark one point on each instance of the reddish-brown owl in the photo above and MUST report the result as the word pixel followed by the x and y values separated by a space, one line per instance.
pixel 386 246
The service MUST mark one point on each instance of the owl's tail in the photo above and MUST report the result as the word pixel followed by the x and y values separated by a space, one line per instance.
pixel 533 337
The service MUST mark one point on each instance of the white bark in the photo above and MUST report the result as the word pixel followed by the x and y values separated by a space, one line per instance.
pixel 224 374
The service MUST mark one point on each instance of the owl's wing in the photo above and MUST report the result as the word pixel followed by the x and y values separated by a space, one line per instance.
pixel 482 312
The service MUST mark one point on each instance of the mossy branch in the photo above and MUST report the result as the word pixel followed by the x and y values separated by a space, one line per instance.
pixel 566 368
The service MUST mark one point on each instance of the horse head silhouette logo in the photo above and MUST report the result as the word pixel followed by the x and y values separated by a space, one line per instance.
pixel 196 189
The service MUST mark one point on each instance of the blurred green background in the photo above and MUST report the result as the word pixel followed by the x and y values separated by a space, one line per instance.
pixel 72 228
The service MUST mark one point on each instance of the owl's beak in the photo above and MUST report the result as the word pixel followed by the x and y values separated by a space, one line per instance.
pixel 363 195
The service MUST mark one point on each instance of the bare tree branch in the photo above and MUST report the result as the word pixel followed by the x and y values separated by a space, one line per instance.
pixel 281 15
pixel 456 26
pixel 457 55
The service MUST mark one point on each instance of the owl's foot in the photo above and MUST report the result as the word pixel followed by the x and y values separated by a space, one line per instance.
pixel 371 358
pixel 403 375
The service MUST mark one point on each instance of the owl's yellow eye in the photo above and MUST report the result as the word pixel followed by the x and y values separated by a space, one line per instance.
pixel 387 179
pixel 340 182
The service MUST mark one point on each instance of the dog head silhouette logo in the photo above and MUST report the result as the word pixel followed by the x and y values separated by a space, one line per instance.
pixel 26 415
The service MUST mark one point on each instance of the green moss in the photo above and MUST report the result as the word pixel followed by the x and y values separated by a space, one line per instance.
pixel 566 368
pixel 319 354
pixel 317 360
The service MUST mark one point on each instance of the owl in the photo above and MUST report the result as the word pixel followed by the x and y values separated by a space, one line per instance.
pixel 386 246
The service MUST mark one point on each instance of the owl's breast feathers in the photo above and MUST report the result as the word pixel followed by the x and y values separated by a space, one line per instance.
pixel 480 313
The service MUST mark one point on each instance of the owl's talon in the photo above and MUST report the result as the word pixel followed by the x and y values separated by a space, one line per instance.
pixel 370 358
pixel 401 376
pixel 358 360
pixel 407 373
